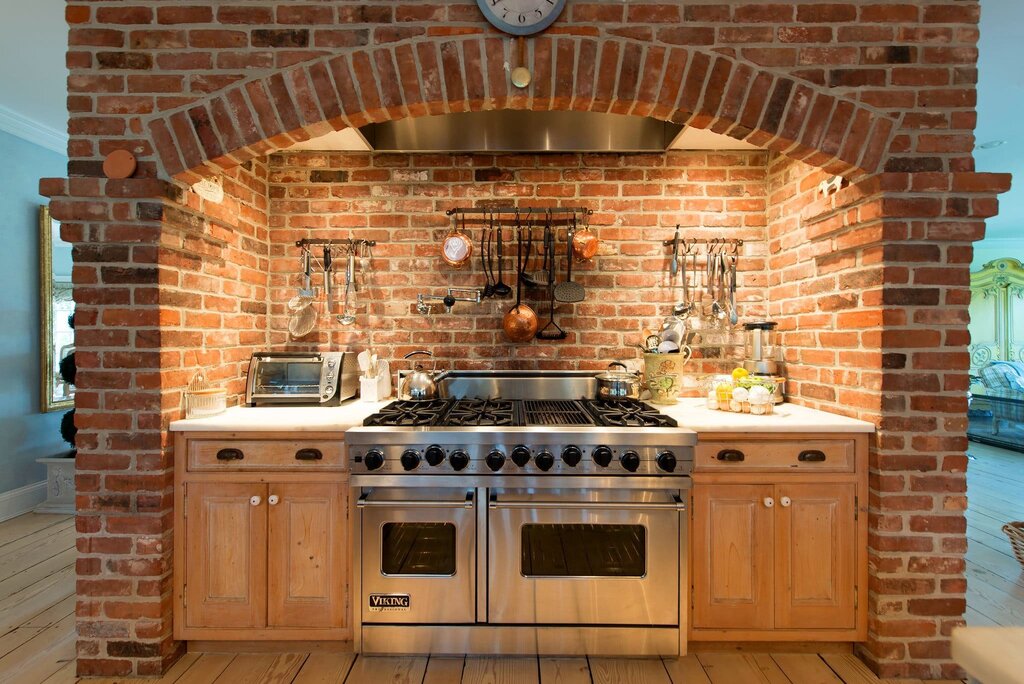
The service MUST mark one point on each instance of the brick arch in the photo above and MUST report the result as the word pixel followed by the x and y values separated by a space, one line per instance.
pixel 441 75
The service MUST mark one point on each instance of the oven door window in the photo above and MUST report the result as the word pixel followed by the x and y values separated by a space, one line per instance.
pixel 418 549
pixel 575 550
pixel 287 378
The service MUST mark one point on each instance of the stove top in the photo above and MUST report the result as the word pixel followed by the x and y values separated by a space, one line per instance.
pixel 519 413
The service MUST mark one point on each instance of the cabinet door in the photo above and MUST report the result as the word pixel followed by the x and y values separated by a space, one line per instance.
pixel 732 556
pixel 307 555
pixel 226 555
pixel 815 556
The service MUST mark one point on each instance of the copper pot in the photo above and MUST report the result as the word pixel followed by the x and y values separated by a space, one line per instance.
pixel 585 244
pixel 457 248
pixel 520 323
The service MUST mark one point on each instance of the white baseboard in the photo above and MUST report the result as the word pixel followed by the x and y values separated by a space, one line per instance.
pixel 21 500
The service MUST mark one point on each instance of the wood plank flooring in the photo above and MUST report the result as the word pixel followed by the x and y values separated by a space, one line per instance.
pixel 37 623
pixel 995 495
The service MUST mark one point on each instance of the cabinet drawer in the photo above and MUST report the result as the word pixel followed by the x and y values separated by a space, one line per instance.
pixel 265 454
pixel 835 456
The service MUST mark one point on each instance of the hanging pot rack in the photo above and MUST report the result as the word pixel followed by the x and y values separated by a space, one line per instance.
pixel 510 216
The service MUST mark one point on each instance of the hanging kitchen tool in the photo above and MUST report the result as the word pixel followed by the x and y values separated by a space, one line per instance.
pixel 347 317
pixel 485 257
pixel 683 308
pixel 569 291
pixel 540 278
pixel 551 330
pixel 520 322
pixel 457 248
pixel 328 264
pixel 500 288
pixel 303 312
pixel 584 242
pixel 733 314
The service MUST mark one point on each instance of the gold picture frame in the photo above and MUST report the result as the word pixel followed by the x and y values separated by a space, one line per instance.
pixel 49 399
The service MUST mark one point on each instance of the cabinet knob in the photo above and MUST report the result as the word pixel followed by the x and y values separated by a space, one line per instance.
pixel 273 499
pixel 254 500
pixel 769 502
pixel 785 501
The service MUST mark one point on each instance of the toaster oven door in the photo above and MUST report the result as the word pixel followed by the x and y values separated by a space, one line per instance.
pixel 285 379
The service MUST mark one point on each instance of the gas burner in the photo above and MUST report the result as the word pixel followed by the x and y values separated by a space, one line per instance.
pixel 628 413
pixel 476 412
pixel 408 413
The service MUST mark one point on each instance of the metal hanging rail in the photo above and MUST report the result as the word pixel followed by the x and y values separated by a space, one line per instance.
pixel 559 216
pixel 585 211
pixel 346 242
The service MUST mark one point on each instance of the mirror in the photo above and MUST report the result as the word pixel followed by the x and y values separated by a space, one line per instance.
pixel 56 337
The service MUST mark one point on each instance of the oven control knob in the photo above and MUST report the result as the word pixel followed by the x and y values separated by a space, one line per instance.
pixel 667 461
pixel 374 459
pixel 459 459
pixel 434 455
pixel 630 461
pixel 602 456
pixel 545 460
pixel 495 460
pixel 571 456
pixel 521 456
pixel 410 459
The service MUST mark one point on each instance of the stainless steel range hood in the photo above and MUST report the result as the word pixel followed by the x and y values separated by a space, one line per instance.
pixel 512 130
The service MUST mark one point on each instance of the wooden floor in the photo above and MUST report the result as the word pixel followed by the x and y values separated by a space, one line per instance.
pixel 995 493
pixel 37 623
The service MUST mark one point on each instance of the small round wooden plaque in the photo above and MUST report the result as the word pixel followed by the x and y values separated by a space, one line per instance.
pixel 119 164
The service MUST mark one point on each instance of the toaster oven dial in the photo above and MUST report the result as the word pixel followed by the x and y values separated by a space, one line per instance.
pixel 495 460
pixel 374 459
pixel 602 456
pixel 630 461
pixel 459 459
pixel 410 459
pixel 571 456
pixel 521 456
pixel 434 455
pixel 545 460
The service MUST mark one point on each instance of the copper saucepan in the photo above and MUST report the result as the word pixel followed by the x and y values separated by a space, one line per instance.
pixel 457 248
pixel 584 242
pixel 520 322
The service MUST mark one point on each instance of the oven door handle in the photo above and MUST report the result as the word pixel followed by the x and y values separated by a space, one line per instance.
pixel 676 504
pixel 364 502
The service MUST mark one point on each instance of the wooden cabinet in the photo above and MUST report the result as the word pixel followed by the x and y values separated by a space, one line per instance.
pixel 779 549
pixel 261 554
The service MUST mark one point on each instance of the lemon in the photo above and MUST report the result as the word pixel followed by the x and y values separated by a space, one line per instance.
pixel 738 373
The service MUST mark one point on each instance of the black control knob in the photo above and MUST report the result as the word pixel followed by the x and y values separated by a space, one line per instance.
pixel 666 461
pixel 521 456
pixel 630 461
pixel 602 456
pixel 459 459
pixel 545 460
pixel 374 459
pixel 434 455
pixel 410 459
pixel 571 456
pixel 495 460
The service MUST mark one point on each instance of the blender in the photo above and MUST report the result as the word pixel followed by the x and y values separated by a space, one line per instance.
pixel 763 354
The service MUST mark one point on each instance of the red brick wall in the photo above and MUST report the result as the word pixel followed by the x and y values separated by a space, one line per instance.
pixel 858 87
pixel 400 200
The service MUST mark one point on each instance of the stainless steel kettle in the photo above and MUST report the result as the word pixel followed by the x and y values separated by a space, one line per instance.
pixel 419 385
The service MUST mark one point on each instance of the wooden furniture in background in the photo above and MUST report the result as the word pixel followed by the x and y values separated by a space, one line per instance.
pixel 779 530
pixel 264 548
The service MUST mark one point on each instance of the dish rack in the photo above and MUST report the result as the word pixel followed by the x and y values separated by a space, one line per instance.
pixel 1015 531
pixel 202 399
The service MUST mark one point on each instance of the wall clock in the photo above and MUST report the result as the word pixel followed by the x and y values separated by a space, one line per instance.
pixel 521 17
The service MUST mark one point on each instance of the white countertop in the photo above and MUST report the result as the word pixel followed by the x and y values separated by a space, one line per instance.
pixel 690 413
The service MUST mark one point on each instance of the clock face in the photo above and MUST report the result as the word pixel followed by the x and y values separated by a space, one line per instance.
pixel 521 17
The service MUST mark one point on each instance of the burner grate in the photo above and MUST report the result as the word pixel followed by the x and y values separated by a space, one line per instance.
pixel 628 413
pixel 551 412
pixel 480 412
pixel 408 413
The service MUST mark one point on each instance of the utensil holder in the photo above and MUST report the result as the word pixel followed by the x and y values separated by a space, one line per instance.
pixel 663 375
pixel 375 389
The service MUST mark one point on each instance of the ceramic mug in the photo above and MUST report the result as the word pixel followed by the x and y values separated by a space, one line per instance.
pixel 663 375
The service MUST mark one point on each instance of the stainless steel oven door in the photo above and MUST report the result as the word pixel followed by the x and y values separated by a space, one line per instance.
pixel 418 555
pixel 607 557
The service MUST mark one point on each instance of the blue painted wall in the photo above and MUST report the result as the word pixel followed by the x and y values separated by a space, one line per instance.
pixel 25 433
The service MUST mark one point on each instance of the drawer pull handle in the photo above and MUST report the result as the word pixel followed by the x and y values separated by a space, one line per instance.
pixel 309 455
pixel 230 455
pixel 731 455
pixel 811 456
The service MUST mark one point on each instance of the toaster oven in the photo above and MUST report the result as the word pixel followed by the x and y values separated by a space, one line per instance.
pixel 301 378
